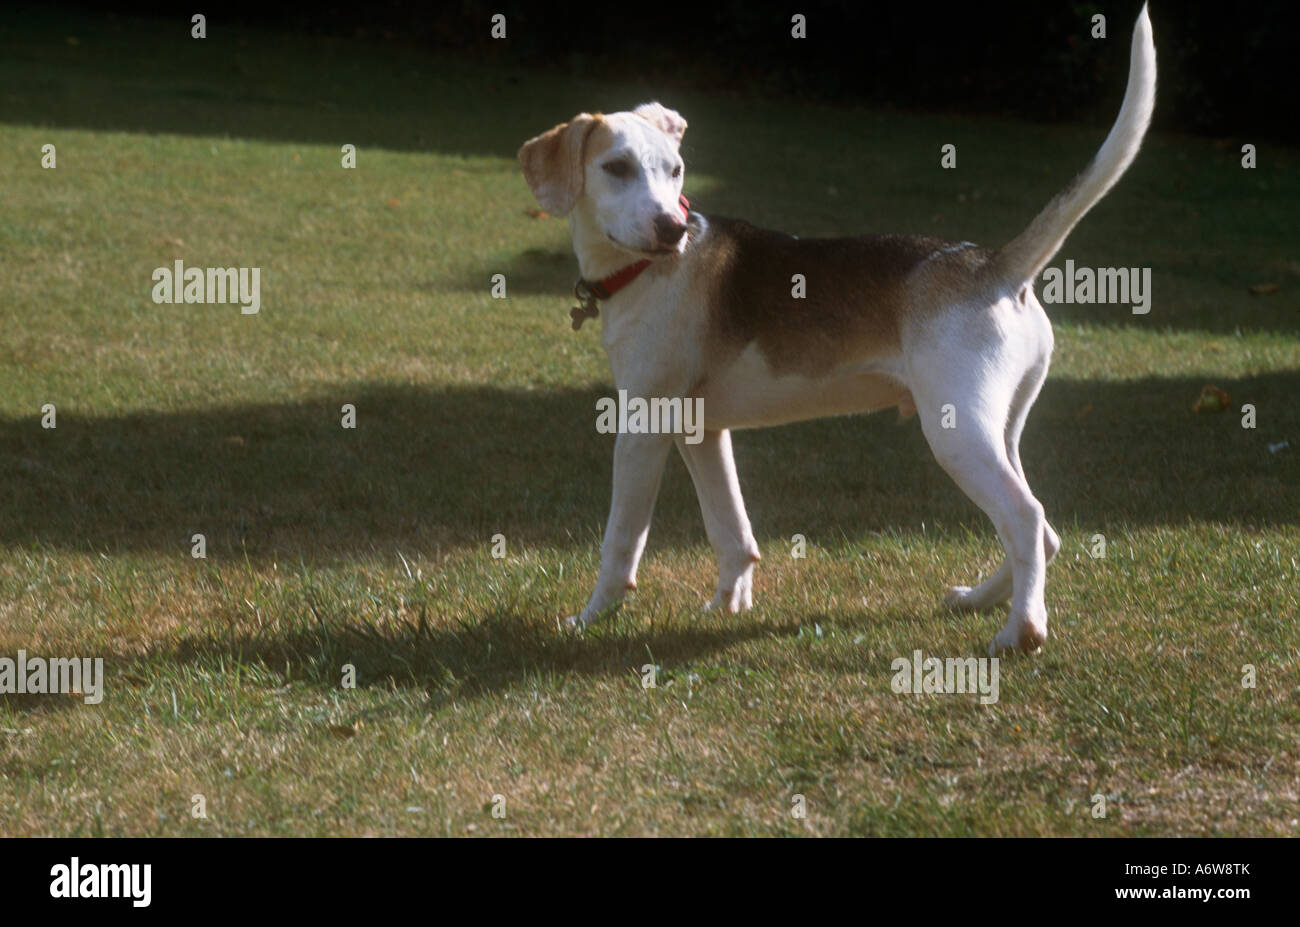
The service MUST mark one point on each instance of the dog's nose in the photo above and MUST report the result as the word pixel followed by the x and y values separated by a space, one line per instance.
pixel 669 229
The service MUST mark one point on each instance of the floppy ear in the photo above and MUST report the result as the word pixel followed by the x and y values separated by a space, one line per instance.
pixel 553 164
pixel 669 121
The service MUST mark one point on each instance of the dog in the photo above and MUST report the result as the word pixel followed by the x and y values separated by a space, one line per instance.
pixel 705 308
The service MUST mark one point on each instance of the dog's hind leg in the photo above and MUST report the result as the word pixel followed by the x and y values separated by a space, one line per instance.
pixel 638 467
pixel 1025 398
pixel 973 450
pixel 998 588
pixel 713 470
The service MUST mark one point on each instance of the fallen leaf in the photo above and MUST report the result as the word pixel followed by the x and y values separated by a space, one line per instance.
pixel 344 731
pixel 1263 289
pixel 1212 399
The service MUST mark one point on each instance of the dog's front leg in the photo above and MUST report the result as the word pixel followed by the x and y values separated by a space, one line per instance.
pixel 638 467
pixel 713 470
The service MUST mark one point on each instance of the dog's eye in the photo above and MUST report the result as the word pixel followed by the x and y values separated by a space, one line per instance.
pixel 677 171
pixel 619 169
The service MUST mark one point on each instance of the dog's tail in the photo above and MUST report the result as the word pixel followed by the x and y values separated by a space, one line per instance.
pixel 1021 260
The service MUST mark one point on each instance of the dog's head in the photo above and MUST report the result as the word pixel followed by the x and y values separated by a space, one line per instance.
pixel 620 173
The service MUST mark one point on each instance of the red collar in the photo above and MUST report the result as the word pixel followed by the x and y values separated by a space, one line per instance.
pixel 590 293
pixel 608 286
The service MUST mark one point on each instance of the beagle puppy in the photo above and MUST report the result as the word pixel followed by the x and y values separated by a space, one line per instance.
pixel 762 328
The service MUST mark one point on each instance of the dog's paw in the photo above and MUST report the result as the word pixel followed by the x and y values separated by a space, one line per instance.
pixel 959 598
pixel 1020 637
pixel 737 596
pixel 577 623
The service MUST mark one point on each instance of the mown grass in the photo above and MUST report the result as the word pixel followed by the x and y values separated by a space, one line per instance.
pixel 371 547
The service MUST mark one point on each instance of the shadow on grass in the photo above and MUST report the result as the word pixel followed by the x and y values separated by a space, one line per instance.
pixel 432 469
pixel 469 661
pixel 536 271
pixel 97 72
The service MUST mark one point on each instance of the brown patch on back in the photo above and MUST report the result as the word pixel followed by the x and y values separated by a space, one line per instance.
pixel 857 289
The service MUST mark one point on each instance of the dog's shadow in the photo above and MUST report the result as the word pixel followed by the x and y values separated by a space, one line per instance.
pixel 441 468
pixel 473 660
pixel 433 470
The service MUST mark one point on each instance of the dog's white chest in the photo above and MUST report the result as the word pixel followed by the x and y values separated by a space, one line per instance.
pixel 654 339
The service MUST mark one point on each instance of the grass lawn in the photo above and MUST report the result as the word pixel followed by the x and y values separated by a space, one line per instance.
pixel 475 417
